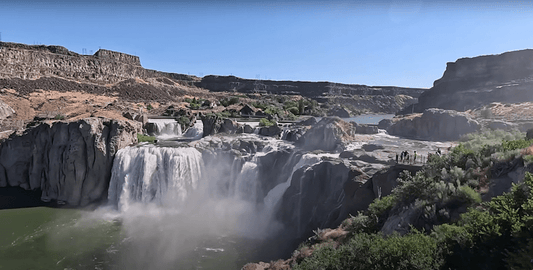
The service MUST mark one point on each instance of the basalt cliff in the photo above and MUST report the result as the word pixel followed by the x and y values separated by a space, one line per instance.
pixel 469 83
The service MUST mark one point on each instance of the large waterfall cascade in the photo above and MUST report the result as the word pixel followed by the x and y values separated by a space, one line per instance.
pixel 179 179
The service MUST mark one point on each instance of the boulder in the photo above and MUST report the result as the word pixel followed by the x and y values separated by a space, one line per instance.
pixel 385 123
pixel 5 110
pixel 293 133
pixel 339 111
pixel 70 162
pixel 529 134
pixel 329 134
pixel 212 124
pixel 248 129
pixel 151 129
pixel 370 147
pixel 365 128
pixel 435 124
pixel 308 122
pixel 229 126
pixel 270 131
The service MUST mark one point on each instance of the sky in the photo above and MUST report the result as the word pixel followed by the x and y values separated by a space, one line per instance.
pixel 400 43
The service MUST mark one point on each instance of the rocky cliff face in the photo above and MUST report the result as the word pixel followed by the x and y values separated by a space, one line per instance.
pixel 316 197
pixel 473 82
pixel 384 99
pixel 104 67
pixel 308 89
pixel 434 124
pixel 70 162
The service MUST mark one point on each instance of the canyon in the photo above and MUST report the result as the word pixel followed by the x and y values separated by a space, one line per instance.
pixel 70 127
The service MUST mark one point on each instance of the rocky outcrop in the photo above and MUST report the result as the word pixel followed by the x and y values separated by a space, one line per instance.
pixel 339 111
pixel 473 82
pixel 316 197
pixel 434 124
pixel 365 128
pixel 270 131
pixel 5 111
pixel 69 162
pixel 105 66
pixel 383 99
pixel 328 134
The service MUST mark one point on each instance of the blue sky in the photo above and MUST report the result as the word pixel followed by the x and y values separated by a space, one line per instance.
pixel 402 43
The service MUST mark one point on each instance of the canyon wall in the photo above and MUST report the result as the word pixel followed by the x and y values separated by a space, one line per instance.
pixel 70 162
pixel 469 83
pixel 104 67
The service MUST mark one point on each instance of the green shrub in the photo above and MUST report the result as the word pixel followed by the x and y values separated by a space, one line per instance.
pixel 516 144
pixel 373 251
pixel 273 110
pixel 528 159
pixel 149 107
pixel 194 106
pixel 359 224
pixel 263 122
pixel 229 101
pixel 59 117
pixel 293 110
pixel 145 138
pixel 260 105
pixel 468 195
pixel 184 121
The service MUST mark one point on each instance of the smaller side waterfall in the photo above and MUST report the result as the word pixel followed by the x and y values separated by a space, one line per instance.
pixel 273 197
pixel 166 128
pixel 195 132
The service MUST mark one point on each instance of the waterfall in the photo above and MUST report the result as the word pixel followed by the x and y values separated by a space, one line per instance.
pixel 232 191
pixel 151 174
pixel 274 195
pixel 195 132
pixel 166 128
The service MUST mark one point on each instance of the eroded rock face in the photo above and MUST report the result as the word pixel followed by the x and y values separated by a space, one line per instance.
pixel 339 111
pixel 328 135
pixel 316 197
pixel 435 124
pixel 69 162
pixel 473 82
pixel 36 61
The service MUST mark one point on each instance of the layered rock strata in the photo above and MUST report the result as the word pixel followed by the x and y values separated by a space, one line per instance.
pixel 469 83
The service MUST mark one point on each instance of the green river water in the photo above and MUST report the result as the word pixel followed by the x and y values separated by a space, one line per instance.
pixel 55 238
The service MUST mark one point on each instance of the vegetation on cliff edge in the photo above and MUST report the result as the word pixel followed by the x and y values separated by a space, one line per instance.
pixel 435 219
